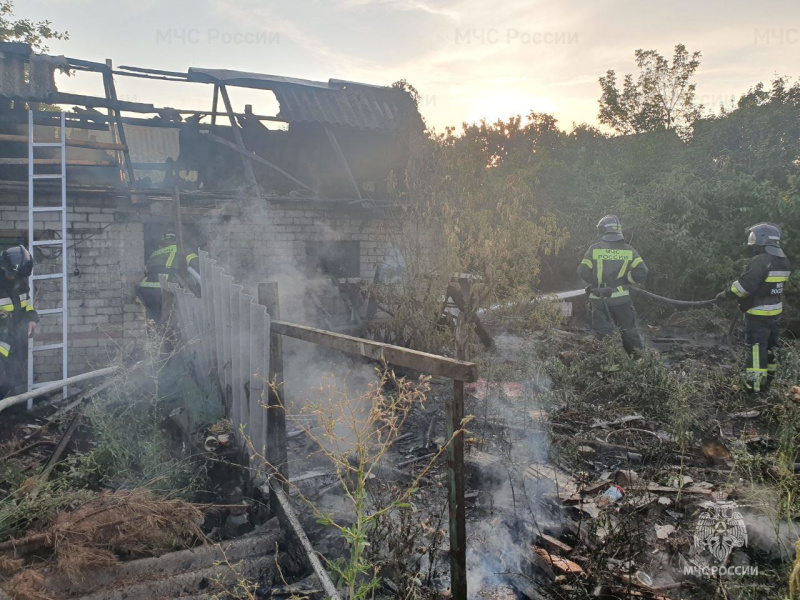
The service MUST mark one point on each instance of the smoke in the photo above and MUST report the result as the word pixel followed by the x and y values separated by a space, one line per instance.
pixel 511 511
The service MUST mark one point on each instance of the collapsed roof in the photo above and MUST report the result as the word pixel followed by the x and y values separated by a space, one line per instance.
pixel 343 138
pixel 336 102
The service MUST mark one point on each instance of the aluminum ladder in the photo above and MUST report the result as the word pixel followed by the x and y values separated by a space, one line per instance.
pixel 61 243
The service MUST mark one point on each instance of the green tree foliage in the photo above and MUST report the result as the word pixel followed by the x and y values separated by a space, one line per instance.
pixel 684 203
pixel 456 214
pixel 35 33
pixel 662 97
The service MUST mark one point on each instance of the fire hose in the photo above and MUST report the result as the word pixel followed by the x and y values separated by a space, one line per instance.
pixel 680 303
pixel 560 296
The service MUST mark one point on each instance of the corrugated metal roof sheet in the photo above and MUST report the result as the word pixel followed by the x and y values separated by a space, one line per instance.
pixel 334 103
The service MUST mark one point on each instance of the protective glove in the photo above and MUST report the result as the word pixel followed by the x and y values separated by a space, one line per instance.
pixel 722 296
pixel 603 292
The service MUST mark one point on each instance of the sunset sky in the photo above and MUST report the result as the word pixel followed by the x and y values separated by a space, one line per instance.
pixel 470 59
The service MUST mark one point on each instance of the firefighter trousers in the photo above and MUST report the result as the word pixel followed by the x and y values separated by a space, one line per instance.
pixel 151 298
pixel 762 335
pixel 13 353
pixel 608 315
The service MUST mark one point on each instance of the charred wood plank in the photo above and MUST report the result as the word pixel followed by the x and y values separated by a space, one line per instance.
pixel 71 143
pixel 423 362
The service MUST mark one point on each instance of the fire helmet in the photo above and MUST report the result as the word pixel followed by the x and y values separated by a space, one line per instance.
pixel 16 261
pixel 610 229
pixel 766 235
pixel 169 236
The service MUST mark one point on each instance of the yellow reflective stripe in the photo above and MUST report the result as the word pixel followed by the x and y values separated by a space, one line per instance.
pixel 599 272
pixel 149 284
pixel 619 293
pixel 761 312
pixel 630 277
pixel 7 307
pixel 737 289
pixel 766 310
pixel 622 269
pixel 636 262
pixel 165 250
pixel 191 257
pixel 772 368
pixel 585 262
pixel 29 308
pixel 171 258
pixel 756 359
pixel 4 349
pixel 776 279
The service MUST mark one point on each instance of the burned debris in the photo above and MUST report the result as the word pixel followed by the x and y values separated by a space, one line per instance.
pixel 346 384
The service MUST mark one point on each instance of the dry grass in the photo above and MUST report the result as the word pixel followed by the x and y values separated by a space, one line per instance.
pixel 10 566
pixel 131 523
pixel 28 585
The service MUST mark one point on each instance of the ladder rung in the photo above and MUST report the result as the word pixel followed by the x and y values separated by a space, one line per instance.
pixel 47 176
pixel 48 242
pixel 50 311
pixel 48 276
pixel 48 208
pixel 47 144
pixel 48 347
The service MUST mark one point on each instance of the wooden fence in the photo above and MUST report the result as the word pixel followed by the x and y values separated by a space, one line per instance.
pixel 237 346
pixel 227 333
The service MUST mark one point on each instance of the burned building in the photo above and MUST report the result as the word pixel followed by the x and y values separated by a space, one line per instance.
pixel 304 190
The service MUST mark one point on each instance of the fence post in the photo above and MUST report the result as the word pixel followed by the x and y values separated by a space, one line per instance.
pixel 276 417
pixel 454 409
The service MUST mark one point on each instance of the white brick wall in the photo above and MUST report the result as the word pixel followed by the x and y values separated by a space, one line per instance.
pixel 261 242
pixel 107 262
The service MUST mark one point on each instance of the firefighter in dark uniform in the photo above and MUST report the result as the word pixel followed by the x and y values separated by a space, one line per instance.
pixel 165 260
pixel 609 267
pixel 18 319
pixel 758 291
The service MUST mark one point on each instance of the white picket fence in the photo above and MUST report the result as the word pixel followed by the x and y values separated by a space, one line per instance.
pixel 228 335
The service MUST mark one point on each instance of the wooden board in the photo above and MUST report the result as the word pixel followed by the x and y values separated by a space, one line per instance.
pixel 413 359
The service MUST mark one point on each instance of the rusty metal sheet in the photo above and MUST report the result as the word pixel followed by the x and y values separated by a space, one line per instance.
pixel 344 103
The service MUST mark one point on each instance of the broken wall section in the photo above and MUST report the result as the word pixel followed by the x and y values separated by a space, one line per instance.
pixel 296 243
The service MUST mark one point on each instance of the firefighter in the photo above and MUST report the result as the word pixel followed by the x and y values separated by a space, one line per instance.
pixel 18 319
pixel 609 267
pixel 758 292
pixel 164 261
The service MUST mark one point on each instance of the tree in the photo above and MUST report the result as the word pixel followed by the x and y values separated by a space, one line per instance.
pixel 26 31
pixel 662 98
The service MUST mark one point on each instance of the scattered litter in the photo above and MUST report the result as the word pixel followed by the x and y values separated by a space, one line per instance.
pixel 626 477
pixel 557 562
pixel 715 451
pixel 611 495
pixel 512 389
pixel 752 414
pixel 554 544
pixel 664 531
pixel 621 421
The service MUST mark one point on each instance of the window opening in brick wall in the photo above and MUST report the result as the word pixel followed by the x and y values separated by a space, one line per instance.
pixel 337 259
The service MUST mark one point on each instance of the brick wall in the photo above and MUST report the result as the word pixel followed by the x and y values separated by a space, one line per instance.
pixel 104 265
pixel 106 262
pixel 271 240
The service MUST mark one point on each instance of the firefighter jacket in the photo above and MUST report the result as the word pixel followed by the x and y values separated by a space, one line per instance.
pixel 165 261
pixel 16 307
pixel 612 265
pixel 759 289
